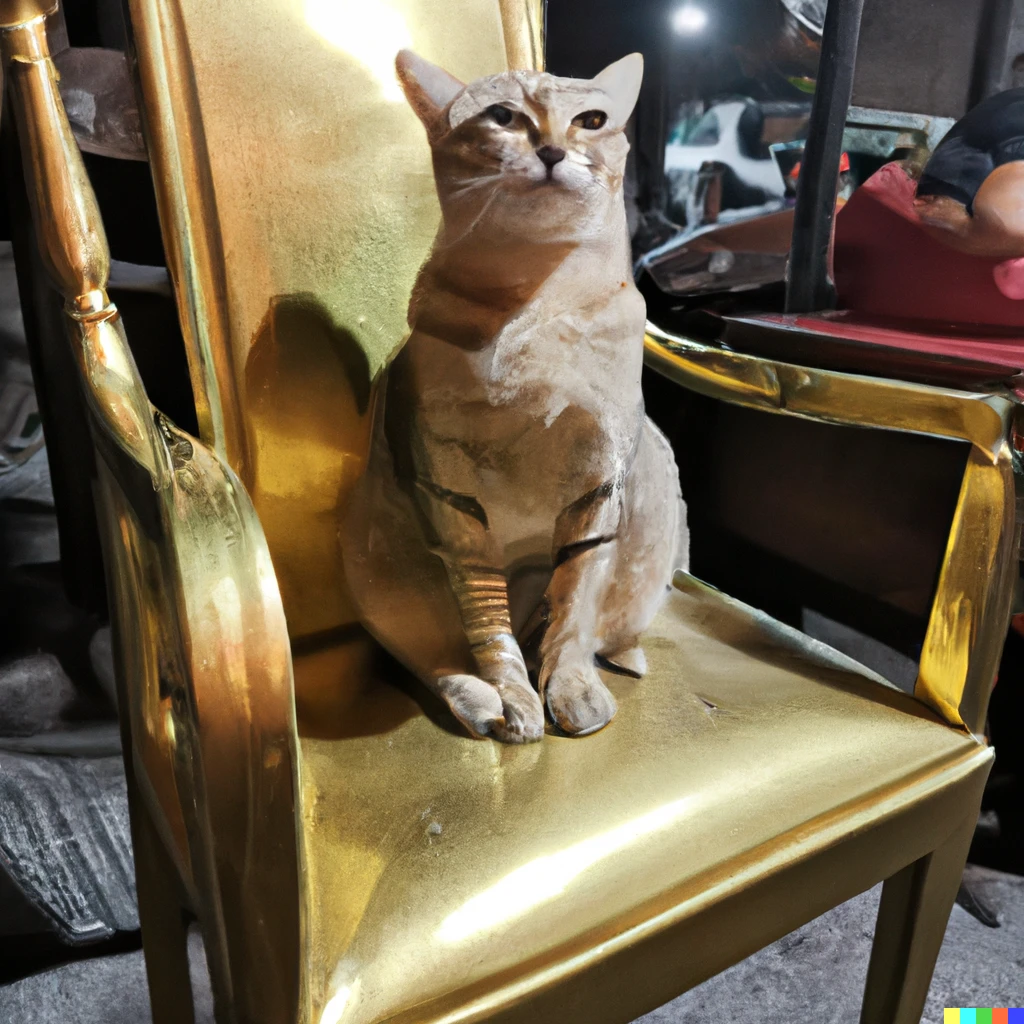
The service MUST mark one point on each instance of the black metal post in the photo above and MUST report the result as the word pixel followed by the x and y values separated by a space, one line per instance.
pixel 809 283
pixel 989 71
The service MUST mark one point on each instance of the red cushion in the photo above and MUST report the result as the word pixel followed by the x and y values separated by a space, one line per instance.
pixel 887 265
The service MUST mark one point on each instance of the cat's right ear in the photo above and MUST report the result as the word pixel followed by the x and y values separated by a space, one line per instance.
pixel 428 88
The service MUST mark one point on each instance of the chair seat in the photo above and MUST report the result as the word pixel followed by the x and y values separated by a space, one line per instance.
pixel 966 356
pixel 449 874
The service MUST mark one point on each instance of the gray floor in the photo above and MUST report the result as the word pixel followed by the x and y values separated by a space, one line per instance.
pixel 815 974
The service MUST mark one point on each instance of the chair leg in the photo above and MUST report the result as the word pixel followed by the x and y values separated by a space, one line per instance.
pixel 164 925
pixel 912 917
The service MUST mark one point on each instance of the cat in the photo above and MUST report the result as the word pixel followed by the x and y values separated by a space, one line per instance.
pixel 515 490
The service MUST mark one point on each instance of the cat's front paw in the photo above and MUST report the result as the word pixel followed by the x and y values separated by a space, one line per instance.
pixel 578 702
pixel 523 714
pixel 511 712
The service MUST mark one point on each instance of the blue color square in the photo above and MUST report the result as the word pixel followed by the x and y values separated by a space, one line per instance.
pixel 1015 1016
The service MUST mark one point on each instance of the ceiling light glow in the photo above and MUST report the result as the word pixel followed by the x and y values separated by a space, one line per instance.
pixel 689 19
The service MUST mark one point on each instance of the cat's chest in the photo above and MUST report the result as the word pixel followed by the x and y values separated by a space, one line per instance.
pixel 540 444
pixel 532 423
pixel 557 381
pixel 551 357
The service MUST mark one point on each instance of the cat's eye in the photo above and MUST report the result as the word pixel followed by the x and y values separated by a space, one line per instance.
pixel 499 114
pixel 591 119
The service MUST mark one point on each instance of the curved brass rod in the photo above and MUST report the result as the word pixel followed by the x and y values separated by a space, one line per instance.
pixel 845 398
pixel 971 608
pixel 71 238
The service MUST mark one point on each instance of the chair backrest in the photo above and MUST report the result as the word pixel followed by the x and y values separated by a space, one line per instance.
pixel 295 216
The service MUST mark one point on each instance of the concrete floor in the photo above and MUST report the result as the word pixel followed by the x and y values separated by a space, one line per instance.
pixel 814 974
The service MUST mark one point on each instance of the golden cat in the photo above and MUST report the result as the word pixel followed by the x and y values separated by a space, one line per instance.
pixel 516 492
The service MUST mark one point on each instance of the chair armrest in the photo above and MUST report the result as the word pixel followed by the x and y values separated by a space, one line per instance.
pixel 206 690
pixel 201 644
pixel 971 609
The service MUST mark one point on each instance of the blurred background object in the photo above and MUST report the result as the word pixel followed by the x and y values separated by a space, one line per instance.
pixel 726 98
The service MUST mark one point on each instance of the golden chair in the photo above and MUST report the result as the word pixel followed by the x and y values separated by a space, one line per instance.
pixel 372 863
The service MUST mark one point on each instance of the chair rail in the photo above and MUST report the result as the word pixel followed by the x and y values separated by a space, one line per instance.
pixel 971 608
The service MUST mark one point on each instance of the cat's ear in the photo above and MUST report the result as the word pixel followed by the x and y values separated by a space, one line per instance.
pixel 621 83
pixel 428 88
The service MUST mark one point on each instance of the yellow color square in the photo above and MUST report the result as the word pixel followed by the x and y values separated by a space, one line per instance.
pixel 950 1016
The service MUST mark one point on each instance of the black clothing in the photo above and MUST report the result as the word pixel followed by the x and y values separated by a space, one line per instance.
pixel 986 137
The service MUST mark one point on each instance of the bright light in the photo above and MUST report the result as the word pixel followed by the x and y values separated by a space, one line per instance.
pixel 547 877
pixel 336 1007
pixel 369 30
pixel 689 20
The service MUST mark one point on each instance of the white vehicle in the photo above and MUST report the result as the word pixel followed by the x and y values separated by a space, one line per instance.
pixel 730 135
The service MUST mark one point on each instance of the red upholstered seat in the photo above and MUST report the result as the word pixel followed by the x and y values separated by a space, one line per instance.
pixel 909 306
pixel 887 265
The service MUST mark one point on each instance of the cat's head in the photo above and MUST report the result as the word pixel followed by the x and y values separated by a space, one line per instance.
pixel 526 152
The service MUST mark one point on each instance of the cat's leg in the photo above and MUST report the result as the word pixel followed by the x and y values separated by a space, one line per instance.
pixel 585 555
pixel 482 597
pixel 615 556
pixel 407 601
pixel 653 542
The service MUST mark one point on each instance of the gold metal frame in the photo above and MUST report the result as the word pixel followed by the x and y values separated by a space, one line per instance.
pixel 197 636
pixel 971 608
pixel 282 844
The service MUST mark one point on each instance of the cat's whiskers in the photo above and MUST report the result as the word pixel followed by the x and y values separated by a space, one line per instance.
pixel 476 220
pixel 474 183
pixel 601 172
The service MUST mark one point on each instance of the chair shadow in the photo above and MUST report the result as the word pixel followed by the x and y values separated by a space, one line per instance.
pixel 347 686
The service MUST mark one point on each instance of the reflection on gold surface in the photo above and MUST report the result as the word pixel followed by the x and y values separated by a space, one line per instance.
pixel 331 685
pixel 452 878
pixel 546 877
pixel 335 1007
pixel 370 30
pixel 305 370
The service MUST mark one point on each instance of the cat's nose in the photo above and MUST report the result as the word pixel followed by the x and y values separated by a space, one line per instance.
pixel 550 155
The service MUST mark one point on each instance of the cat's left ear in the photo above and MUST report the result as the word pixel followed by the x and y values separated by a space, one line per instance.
pixel 428 88
pixel 620 82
